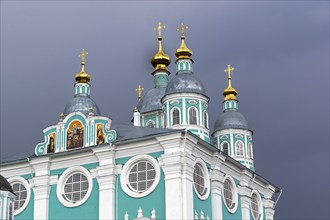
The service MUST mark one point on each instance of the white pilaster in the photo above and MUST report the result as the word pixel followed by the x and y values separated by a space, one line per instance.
pixel 106 178
pixel 269 208
pixel 184 112
pixel 177 164
pixel 245 195
pixel 41 187
pixel 217 180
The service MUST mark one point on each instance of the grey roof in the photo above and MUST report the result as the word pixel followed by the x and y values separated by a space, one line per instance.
pixel 185 81
pixel 81 104
pixel 151 100
pixel 130 132
pixel 231 118
pixel 4 185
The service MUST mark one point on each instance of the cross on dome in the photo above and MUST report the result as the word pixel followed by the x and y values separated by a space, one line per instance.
pixel 159 29
pixel 139 90
pixel 182 29
pixel 229 70
pixel 83 55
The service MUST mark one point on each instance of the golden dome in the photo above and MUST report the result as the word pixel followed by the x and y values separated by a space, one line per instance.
pixel 183 52
pixel 229 93
pixel 160 60
pixel 82 76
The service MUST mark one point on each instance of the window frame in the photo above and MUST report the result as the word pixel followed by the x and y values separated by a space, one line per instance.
pixel 236 147
pixel 196 112
pixel 172 116
pixel 205 171
pixel 62 181
pixel 260 206
pixel 234 194
pixel 125 185
pixel 152 122
pixel 223 143
pixel 25 183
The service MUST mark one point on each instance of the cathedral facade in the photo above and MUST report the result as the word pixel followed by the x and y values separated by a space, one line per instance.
pixel 166 165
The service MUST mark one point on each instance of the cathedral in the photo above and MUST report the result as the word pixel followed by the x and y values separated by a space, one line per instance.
pixel 172 162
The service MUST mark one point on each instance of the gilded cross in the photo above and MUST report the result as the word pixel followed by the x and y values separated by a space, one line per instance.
pixel 229 70
pixel 139 90
pixel 159 29
pixel 182 29
pixel 83 55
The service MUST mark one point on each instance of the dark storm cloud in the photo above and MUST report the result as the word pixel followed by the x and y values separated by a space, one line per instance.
pixel 280 51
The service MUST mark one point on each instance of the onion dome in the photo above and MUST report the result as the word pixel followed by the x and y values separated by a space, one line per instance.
pixel 160 60
pixel 83 104
pixel 229 93
pixel 5 185
pixel 82 76
pixel 185 81
pixel 231 118
pixel 183 52
pixel 151 100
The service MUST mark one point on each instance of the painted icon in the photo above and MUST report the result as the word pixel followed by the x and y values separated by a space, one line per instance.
pixel 75 135
pixel 100 134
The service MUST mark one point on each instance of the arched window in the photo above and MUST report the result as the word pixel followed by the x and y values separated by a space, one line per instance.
pixel 151 124
pixel 192 116
pixel 225 148
pixel 206 120
pixel 239 149
pixel 176 117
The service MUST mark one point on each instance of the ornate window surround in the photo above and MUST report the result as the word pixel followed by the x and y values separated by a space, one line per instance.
pixel 172 110
pixel 196 111
pixel 260 207
pixel 236 147
pixel 25 183
pixel 206 179
pixel 62 180
pixel 225 142
pixel 127 168
pixel 235 196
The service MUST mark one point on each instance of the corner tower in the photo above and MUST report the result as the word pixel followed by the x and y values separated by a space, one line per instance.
pixel 150 106
pixel 185 102
pixel 232 134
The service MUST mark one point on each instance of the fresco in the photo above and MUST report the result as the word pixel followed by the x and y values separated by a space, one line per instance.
pixel 100 136
pixel 51 143
pixel 75 135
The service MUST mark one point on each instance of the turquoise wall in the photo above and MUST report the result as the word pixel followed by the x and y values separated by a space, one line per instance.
pixel 155 200
pixel 204 205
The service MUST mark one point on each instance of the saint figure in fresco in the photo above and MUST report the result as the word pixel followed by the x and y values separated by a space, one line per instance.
pixel 100 134
pixel 51 144
pixel 75 135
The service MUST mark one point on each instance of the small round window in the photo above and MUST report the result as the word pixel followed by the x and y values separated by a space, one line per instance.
pixel 75 188
pixel 21 194
pixel 230 194
pixel 256 206
pixel 140 176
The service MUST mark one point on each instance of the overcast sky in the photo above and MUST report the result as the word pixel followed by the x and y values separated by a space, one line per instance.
pixel 279 49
